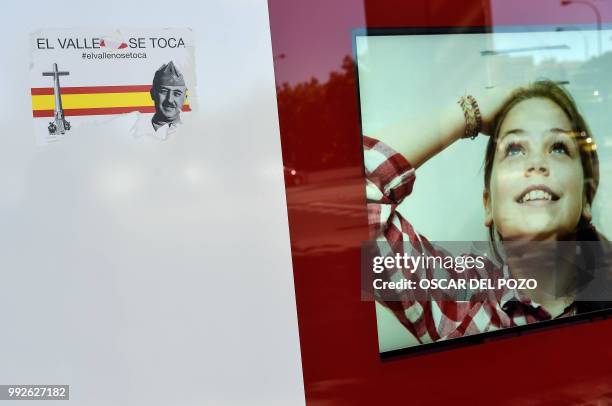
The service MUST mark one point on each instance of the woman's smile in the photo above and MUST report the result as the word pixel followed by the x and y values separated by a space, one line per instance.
pixel 537 196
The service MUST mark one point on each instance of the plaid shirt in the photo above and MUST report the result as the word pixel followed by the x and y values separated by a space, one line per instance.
pixel 389 179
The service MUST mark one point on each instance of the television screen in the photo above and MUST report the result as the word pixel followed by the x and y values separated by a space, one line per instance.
pixel 487 157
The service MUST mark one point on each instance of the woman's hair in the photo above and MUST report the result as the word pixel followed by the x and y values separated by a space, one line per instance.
pixel 547 89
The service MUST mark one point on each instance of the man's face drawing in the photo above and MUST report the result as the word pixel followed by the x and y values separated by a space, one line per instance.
pixel 169 100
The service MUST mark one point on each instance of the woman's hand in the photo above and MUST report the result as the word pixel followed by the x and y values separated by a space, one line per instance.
pixel 490 103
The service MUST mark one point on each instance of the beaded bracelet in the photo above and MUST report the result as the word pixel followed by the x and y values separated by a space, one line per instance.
pixel 471 112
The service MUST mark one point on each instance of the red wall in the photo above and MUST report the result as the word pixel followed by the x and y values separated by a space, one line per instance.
pixel 320 138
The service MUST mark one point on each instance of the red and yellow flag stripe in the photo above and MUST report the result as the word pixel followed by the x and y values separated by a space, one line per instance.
pixel 95 100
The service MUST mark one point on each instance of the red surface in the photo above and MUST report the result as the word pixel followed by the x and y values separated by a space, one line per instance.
pixel 327 219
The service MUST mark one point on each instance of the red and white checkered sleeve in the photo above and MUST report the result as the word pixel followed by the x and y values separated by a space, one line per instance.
pixel 389 179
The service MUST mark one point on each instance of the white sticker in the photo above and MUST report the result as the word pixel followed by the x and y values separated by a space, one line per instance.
pixel 88 77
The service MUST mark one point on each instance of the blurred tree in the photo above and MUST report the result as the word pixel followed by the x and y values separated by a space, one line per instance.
pixel 318 125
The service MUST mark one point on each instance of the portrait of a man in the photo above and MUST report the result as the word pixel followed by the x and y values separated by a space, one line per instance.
pixel 168 93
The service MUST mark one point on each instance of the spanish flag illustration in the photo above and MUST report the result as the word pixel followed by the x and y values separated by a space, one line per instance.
pixel 95 100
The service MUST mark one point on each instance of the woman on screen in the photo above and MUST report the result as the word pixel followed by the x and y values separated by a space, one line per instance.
pixel 541 174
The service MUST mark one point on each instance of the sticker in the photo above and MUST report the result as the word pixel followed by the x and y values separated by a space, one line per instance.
pixel 87 77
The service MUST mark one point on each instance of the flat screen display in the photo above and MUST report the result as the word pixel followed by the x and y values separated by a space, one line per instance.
pixel 488 165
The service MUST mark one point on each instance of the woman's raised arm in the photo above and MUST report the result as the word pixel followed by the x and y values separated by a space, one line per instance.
pixel 419 139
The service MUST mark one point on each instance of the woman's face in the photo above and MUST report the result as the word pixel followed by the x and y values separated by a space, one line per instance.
pixel 537 182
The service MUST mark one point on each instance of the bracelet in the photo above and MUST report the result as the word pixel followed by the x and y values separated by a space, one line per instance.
pixel 471 112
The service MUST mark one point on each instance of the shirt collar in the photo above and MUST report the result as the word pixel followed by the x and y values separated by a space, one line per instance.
pixel 158 122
